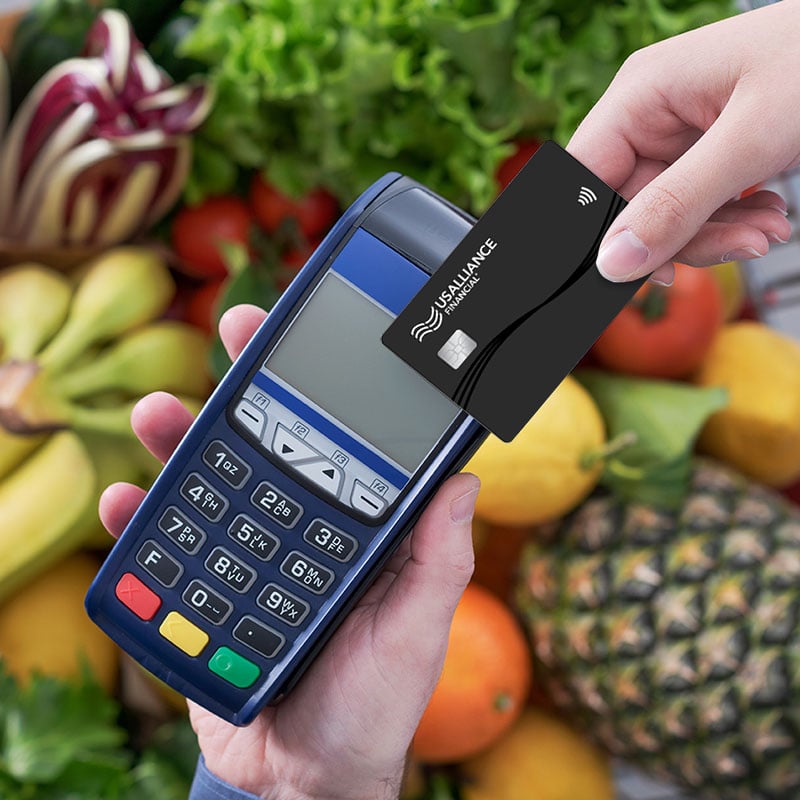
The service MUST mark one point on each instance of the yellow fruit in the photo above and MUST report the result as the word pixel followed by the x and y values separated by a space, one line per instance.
pixel 729 277
pixel 758 432
pixel 43 626
pixel 540 758
pixel 538 476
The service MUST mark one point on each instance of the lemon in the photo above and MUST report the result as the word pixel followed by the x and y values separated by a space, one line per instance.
pixel 540 757
pixel 538 476
pixel 758 432
pixel 728 275
pixel 44 628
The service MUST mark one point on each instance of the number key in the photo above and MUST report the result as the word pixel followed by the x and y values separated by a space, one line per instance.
pixel 181 530
pixel 245 532
pixel 230 570
pixel 225 463
pixel 210 503
pixel 276 505
pixel 330 540
pixel 306 572
pixel 206 602
pixel 285 606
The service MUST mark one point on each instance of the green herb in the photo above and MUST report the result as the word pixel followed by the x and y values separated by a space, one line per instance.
pixel 62 740
pixel 662 419
pixel 337 94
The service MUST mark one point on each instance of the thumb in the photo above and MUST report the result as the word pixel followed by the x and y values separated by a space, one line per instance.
pixel 669 211
pixel 431 581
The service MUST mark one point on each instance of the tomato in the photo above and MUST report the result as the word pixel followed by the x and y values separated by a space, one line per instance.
pixel 664 332
pixel 201 307
pixel 197 232
pixel 314 213
pixel 525 148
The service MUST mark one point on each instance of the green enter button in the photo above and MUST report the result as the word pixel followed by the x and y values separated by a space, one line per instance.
pixel 234 668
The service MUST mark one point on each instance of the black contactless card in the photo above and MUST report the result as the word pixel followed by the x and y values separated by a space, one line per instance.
pixel 519 301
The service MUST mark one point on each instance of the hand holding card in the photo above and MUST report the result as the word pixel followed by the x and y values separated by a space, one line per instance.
pixel 519 301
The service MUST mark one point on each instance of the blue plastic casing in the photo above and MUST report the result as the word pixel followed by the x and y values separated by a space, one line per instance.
pixel 394 219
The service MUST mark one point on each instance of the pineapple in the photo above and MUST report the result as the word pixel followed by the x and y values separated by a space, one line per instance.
pixel 672 637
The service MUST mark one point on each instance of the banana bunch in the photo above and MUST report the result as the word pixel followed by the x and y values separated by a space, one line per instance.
pixel 75 356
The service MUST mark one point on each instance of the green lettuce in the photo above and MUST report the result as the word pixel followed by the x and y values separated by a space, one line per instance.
pixel 314 92
pixel 63 740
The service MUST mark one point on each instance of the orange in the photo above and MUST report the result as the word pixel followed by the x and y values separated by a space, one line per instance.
pixel 484 683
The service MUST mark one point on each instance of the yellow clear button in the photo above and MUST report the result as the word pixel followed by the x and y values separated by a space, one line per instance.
pixel 183 634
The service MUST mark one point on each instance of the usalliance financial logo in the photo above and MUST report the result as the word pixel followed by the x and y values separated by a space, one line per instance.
pixel 449 300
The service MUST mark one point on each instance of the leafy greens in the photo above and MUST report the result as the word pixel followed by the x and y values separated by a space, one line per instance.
pixel 337 94
pixel 62 740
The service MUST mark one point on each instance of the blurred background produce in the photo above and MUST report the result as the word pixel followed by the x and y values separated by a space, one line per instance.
pixel 637 587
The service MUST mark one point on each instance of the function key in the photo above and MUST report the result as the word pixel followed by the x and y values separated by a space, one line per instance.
pixel 183 634
pixel 232 572
pixel 306 572
pixel 282 604
pixel 276 505
pixel 140 599
pixel 181 530
pixel 210 503
pixel 258 637
pixel 235 669
pixel 251 417
pixel 324 474
pixel 330 540
pixel 291 448
pixel 365 500
pixel 206 602
pixel 154 560
pixel 249 534
pixel 225 463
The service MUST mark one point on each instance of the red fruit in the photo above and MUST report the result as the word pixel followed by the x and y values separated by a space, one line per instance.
pixel 314 213
pixel 201 307
pixel 198 233
pixel 664 332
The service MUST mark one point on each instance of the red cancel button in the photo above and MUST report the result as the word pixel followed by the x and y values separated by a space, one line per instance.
pixel 137 597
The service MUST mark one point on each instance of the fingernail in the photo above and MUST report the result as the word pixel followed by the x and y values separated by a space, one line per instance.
pixel 783 209
pixel 742 254
pixel 658 282
pixel 773 237
pixel 462 508
pixel 622 256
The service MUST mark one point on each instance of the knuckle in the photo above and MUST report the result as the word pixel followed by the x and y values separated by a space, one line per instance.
pixel 637 60
pixel 669 205
pixel 462 569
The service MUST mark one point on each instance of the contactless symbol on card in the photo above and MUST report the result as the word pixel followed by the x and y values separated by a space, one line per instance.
pixel 519 301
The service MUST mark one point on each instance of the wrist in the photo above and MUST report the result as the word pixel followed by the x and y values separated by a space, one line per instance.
pixel 307 785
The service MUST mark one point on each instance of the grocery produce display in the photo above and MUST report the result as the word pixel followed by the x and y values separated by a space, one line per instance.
pixel 76 356
pixel 671 637
pixel 99 149
pixel 637 581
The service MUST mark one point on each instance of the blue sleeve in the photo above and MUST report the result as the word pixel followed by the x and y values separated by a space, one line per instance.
pixel 207 786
